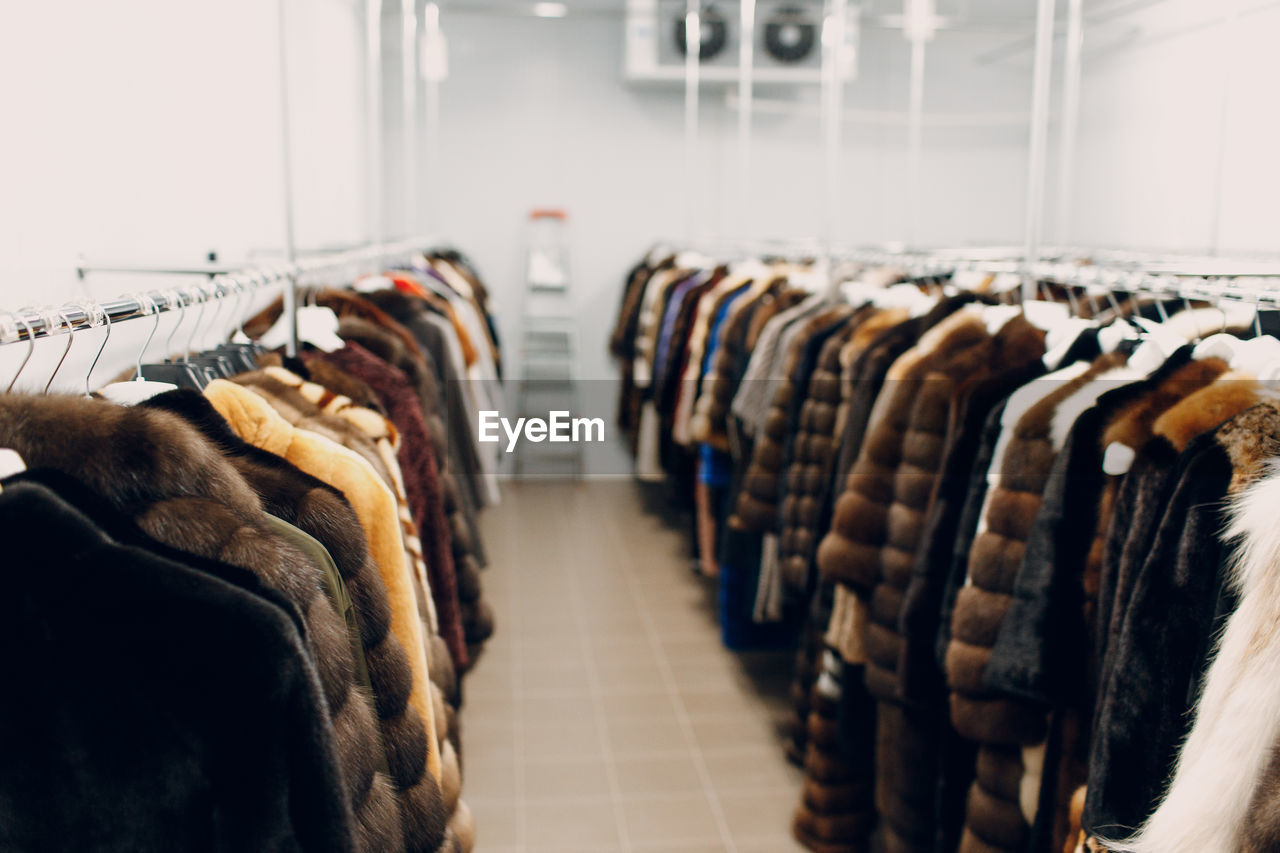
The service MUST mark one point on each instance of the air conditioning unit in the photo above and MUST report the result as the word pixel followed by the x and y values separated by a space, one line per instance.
pixel 787 46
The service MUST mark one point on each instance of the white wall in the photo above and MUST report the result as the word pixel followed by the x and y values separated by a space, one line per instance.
pixel 148 131
pixel 1154 130
pixel 535 113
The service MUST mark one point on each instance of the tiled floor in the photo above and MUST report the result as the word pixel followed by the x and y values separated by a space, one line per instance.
pixel 605 715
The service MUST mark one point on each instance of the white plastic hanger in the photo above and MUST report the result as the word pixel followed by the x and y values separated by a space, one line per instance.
pixel 317 326
pixel 138 389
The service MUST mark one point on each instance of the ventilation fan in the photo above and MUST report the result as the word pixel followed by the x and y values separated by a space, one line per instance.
pixel 714 31
pixel 790 34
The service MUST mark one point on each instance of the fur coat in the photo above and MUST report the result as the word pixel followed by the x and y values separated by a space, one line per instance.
pixel 153 467
pixel 257 423
pixel 438 596
pixel 320 510
pixel 418 461
pixel 803 526
pixel 166 706
pixel 1223 796
pixel 456 452
pixel 465 540
pixel 1043 649
pixel 1003 801
pixel 1176 604
pixel 709 422
pixel 757 507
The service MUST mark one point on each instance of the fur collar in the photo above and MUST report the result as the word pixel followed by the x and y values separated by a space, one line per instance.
pixel 1133 426
pixel 1224 767
pixel 1204 409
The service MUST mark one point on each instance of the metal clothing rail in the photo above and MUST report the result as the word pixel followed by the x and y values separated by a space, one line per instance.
pixel 31 323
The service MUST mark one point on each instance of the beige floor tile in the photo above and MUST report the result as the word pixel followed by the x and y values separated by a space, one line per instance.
pixel 561 739
pixel 489 778
pixel 599 614
pixel 495 822
pixel 670 819
pixel 643 736
pixel 758 814
pixel 488 741
pixel 569 707
pixel 554 675
pixel 629 704
pixel 751 769
pixel 745 730
pixel 621 674
pixel 720 704
pixel 657 774
pixel 560 779
pixel 777 843
pixel 567 824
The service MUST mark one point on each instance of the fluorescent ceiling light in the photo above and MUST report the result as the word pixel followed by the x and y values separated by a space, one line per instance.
pixel 550 10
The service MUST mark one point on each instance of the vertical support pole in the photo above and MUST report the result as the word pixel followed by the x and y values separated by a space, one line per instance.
pixel 1230 62
pixel 409 112
pixel 1040 93
pixel 431 103
pixel 1070 119
pixel 286 169
pixel 833 41
pixel 373 120
pixel 915 139
pixel 692 58
pixel 746 96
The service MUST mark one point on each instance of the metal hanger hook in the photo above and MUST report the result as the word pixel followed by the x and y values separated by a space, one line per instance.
pixel 31 345
pixel 198 296
pixel 174 297
pixel 93 311
pixel 215 293
pixel 148 306
pixel 237 313
pixel 71 328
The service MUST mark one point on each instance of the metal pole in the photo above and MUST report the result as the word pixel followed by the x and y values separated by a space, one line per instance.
pixel 431 99
pixel 1230 61
pixel 915 138
pixel 1070 119
pixel 1039 140
pixel 373 119
pixel 286 168
pixel 693 51
pixel 833 37
pixel 409 109
pixel 746 80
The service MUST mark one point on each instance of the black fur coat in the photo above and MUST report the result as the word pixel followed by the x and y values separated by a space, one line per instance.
pixel 158 706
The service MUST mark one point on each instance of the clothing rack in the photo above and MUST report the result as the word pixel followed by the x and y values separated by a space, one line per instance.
pixel 1211 279
pixel 31 323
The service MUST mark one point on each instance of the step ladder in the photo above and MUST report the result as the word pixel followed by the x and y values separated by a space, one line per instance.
pixel 549 370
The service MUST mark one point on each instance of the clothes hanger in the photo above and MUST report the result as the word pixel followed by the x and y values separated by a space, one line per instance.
pixel 31 346
pixel 96 315
pixel 241 357
pixel 63 313
pixel 317 326
pixel 172 371
pixel 138 389
pixel 213 365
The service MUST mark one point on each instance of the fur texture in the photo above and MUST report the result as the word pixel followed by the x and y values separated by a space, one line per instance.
pixel 215 734
pixel 320 510
pixel 418 461
pixel 155 468
pixel 1224 792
